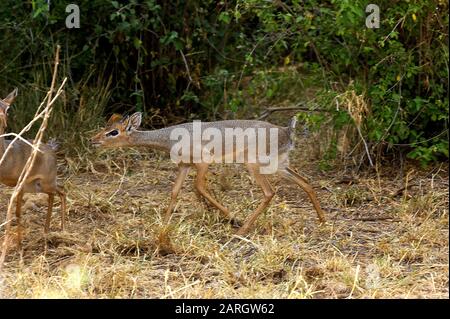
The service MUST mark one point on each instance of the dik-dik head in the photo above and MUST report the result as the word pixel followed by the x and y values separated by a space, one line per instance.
pixel 4 106
pixel 117 131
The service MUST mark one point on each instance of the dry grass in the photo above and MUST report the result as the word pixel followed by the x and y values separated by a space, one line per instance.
pixel 379 241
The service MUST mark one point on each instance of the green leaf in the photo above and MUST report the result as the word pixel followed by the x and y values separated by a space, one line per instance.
pixel 137 43
pixel 224 17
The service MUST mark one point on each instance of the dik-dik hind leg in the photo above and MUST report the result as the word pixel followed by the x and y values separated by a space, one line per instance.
pixel 201 186
pixel 62 196
pixel 292 175
pixel 19 221
pixel 262 181
pixel 182 173
pixel 48 217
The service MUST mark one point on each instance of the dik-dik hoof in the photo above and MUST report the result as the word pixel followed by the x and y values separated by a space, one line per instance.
pixel 241 231
pixel 235 223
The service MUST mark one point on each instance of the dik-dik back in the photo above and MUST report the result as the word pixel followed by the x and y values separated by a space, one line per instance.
pixel 16 158
pixel 43 174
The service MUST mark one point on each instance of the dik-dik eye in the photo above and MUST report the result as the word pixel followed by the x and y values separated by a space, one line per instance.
pixel 113 133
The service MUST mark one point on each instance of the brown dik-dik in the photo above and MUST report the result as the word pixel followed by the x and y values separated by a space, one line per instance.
pixel 42 178
pixel 122 131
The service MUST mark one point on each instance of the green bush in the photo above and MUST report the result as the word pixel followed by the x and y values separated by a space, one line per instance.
pixel 401 68
pixel 191 58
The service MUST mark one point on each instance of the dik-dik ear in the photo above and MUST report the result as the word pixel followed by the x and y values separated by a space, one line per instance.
pixel 133 122
pixel 11 97
pixel 114 118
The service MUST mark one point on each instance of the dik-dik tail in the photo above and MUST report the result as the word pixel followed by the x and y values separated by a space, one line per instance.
pixel 53 144
pixel 291 131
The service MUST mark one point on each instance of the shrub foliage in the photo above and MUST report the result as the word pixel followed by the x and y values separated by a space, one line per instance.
pixel 190 58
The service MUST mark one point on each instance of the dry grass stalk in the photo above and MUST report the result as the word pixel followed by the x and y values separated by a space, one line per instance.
pixel 357 108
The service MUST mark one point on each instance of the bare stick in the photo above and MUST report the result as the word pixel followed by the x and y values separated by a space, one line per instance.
pixel 187 69
pixel 365 145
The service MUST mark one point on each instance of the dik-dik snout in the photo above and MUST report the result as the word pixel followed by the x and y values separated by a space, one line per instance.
pixel 117 131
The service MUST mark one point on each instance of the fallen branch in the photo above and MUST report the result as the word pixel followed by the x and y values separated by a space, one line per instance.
pixel 268 111
pixel 401 190
pixel 373 219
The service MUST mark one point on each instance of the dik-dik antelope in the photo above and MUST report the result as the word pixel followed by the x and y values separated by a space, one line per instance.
pixel 42 178
pixel 123 131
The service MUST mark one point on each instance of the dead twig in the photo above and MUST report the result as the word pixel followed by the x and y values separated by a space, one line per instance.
pixel 187 69
pixel 365 145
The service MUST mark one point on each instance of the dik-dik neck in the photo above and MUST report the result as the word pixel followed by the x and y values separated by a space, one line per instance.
pixel 158 139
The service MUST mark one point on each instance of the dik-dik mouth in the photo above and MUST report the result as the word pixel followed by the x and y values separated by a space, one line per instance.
pixel 96 144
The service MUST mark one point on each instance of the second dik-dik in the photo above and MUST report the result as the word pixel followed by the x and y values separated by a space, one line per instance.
pixel 42 178
pixel 123 131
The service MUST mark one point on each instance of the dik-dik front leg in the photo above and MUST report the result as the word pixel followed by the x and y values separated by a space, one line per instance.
pixel 62 197
pixel 183 170
pixel 48 218
pixel 201 186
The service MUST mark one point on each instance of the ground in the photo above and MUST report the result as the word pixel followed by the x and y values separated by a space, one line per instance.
pixel 386 235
